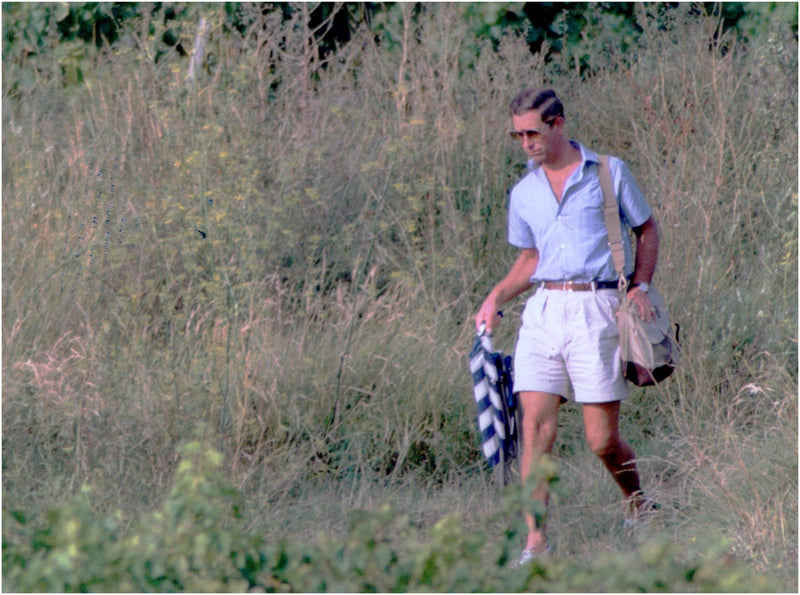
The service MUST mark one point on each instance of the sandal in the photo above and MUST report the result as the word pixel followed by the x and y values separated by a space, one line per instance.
pixel 639 510
pixel 530 554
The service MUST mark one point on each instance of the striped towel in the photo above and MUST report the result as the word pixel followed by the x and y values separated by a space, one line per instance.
pixel 493 390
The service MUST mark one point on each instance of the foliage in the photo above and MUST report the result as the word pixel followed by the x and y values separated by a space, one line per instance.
pixel 290 247
pixel 574 29
pixel 194 543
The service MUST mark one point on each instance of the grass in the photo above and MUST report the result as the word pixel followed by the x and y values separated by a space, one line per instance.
pixel 288 253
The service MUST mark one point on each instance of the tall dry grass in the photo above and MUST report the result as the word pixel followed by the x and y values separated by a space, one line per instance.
pixel 288 250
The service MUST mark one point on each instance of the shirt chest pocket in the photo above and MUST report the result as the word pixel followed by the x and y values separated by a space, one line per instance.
pixel 582 211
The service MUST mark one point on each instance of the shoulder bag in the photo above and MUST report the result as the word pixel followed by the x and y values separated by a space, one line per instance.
pixel 649 350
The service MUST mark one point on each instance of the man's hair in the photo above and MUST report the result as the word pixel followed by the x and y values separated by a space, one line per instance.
pixel 542 100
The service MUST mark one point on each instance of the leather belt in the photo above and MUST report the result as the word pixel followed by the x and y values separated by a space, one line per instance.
pixel 574 286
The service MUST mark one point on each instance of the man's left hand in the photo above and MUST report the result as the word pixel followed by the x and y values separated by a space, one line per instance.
pixel 643 305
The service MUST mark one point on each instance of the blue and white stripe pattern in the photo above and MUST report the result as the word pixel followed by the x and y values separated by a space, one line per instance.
pixel 492 389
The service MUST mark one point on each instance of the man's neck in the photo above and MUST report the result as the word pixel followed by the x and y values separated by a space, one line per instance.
pixel 566 157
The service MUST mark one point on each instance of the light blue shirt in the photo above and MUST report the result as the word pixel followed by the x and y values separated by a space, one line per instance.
pixel 571 236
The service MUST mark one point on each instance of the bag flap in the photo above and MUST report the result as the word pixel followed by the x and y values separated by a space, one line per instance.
pixel 638 337
pixel 634 339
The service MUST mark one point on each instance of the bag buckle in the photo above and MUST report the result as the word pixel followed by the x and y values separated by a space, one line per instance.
pixel 622 284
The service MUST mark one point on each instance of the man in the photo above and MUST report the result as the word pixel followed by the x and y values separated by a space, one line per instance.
pixel 569 336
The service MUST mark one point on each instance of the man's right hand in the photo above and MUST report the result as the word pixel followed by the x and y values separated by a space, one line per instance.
pixel 515 282
pixel 488 315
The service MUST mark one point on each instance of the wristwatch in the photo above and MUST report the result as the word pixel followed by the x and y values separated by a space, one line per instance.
pixel 643 286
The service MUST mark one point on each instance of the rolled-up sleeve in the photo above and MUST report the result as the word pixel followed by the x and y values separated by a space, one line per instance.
pixel 520 233
pixel 633 206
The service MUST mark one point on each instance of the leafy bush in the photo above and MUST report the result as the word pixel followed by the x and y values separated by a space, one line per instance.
pixel 195 543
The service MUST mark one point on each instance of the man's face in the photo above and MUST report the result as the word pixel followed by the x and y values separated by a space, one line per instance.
pixel 536 138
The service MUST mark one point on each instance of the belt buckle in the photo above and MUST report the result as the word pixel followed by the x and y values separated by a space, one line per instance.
pixel 580 286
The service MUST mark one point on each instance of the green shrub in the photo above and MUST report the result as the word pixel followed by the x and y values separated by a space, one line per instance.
pixel 195 542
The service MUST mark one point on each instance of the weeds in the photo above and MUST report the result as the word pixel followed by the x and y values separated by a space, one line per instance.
pixel 193 542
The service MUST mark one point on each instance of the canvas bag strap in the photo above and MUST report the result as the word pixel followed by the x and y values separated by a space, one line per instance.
pixel 611 214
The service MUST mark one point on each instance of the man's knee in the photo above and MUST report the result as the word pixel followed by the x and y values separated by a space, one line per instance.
pixel 539 429
pixel 602 444
pixel 601 423
pixel 539 417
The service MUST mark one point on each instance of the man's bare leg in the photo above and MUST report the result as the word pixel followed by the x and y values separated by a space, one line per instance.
pixel 601 425
pixel 539 427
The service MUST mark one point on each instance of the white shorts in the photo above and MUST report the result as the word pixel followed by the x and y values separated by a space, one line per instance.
pixel 570 338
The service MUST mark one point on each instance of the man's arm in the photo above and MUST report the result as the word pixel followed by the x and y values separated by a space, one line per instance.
pixel 515 282
pixel 645 266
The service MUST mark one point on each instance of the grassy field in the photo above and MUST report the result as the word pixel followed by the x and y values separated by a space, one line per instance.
pixel 279 261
